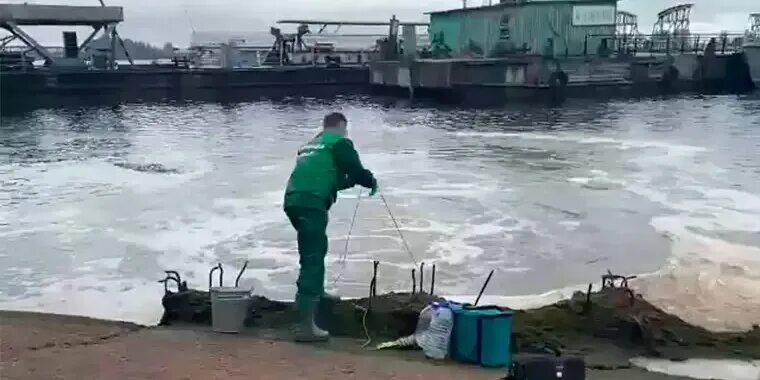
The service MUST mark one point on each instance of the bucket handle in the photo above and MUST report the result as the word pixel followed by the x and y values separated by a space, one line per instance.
pixel 211 275
pixel 237 280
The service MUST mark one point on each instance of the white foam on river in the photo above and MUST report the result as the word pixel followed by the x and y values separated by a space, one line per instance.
pixel 666 189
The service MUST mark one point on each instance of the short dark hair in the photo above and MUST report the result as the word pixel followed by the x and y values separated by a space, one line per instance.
pixel 333 119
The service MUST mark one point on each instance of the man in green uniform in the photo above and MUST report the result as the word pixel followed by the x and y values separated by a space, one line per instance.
pixel 327 164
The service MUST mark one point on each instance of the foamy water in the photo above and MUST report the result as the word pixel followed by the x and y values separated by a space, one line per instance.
pixel 551 199
pixel 704 369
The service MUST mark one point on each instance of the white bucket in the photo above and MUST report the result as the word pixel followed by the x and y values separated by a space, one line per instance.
pixel 229 307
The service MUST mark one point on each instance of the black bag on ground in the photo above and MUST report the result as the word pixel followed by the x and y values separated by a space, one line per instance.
pixel 547 367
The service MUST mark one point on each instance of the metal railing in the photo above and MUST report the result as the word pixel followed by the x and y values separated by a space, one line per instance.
pixel 55 51
pixel 654 44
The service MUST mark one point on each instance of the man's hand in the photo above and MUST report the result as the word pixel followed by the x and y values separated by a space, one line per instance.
pixel 373 190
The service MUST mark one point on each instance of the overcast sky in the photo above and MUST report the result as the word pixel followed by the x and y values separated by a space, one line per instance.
pixel 158 21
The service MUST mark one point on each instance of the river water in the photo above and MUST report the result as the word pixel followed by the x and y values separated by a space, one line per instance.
pixel 549 198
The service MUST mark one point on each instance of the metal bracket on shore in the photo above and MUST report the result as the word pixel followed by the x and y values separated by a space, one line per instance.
pixel 614 281
pixel 611 280
pixel 174 277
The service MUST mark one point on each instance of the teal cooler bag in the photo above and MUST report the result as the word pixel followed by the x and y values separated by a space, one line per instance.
pixel 482 335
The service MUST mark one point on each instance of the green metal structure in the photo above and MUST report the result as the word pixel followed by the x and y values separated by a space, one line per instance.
pixel 549 27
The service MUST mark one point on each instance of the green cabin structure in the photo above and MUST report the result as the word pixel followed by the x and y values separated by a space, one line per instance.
pixel 546 27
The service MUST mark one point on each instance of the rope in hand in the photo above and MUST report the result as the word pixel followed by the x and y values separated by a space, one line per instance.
pixel 344 256
pixel 398 229
pixel 373 284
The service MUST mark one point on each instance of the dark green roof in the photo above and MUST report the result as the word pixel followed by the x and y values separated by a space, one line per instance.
pixel 521 3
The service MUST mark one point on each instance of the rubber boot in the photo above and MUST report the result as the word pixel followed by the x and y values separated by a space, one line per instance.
pixel 307 330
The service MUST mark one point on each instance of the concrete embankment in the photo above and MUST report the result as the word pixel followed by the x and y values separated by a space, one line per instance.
pixel 42 346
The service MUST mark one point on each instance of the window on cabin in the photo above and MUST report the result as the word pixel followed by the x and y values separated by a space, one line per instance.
pixel 504 33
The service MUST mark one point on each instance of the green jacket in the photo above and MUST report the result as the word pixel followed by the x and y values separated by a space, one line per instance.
pixel 325 165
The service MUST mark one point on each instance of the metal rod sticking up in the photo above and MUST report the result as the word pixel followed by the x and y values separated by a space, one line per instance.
pixel 374 278
pixel 237 280
pixel 372 294
pixel 373 284
pixel 432 282
pixel 422 277
pixel 414 281
pixel 483 289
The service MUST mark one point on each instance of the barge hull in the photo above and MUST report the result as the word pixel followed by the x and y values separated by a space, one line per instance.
pixel 753 61
pixel 40 88
pixel 495 82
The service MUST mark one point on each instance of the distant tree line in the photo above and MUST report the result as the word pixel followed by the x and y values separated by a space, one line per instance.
pixel 144 50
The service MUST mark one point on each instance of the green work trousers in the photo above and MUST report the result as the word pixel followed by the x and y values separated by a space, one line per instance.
pixel 311 226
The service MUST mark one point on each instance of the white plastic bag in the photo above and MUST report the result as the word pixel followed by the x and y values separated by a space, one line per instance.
pixel 434 328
